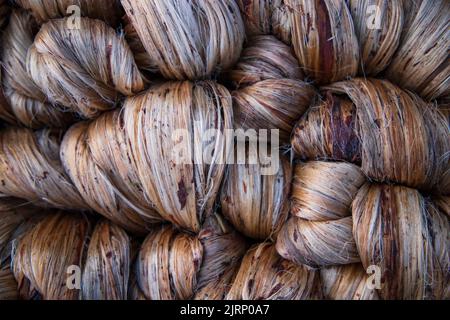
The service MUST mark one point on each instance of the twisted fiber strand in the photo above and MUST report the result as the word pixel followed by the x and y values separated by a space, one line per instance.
pixel 137 145
pixel 85 70
pixel 45 10
pixel 26 102
pixel 421 62
pixel 194 39
pixel 31 169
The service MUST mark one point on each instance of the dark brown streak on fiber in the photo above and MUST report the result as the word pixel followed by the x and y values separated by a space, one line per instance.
pixel 326 45
pixel 346 144
pixel 389 251
pixel 182 193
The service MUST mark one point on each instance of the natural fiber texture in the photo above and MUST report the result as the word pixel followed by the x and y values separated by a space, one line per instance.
pixel 324 191
pixel 30 168
pixel 84 69
pixel 395 231
pixel 318 243
pixel 151 155
pixel 44 255
pixel 257 204
pixel 264 275
pixel 266 17
pixel 264 58
pixel 324 39
pixel 174 265
pixel 272 104
pixel 8 285
pixel 421 62
pixel 378 43
pixel 13 213
pixel 347 282
pixel 320 230
pixel 44 10
pixel 26 102
pixel 188 39
pixel 400 138
pixel 107 267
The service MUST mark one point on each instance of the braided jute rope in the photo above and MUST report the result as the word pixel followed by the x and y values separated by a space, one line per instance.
pixel 224 149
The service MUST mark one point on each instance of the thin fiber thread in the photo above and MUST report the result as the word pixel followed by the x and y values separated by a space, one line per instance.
pixel 361 146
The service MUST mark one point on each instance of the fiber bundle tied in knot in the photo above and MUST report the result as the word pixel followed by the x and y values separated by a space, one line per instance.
pixel 153 154
pixel 188 39
pixel 84 69
pixel 64 242
pixel 25 102
pixel 319 232
pixel 395 135
pixel 270 92
pixel 175 265
pixel 45 10
pixel 30 168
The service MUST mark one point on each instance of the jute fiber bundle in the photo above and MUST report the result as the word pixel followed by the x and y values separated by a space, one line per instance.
pixel 59 241
pixel 31 169
pixel 120 133
pixel 270 92
pixel 346 282
pixel 25 103
pixel 395 228
pixel 421 62
pixel 45 10
pixel 319 232
pixel 84 69
pixel 263 58
pixel 188 39
pixel 175 265
pixel 379 38
pixel 264 275
pixel 395 135
pixel 134 163
pixel 263 17
pixel 178 265
pixel 255 203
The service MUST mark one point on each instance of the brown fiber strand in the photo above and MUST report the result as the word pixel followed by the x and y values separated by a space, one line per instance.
pixel 397 136
pixel 257 203
pixel 44 254
pixel 324 39
pixel 27 104
pixel 88 73
pixel 348 282
pixel 188 39
pixel 8 285
pixel 30 168
pixel 151 157
pixel 45 10
pixel 263 58
pixel 395 231
pixel 264 275
pixel 421 63
pixel 174 265
pixel 378 43
pixel 272 104
pixel 264 17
